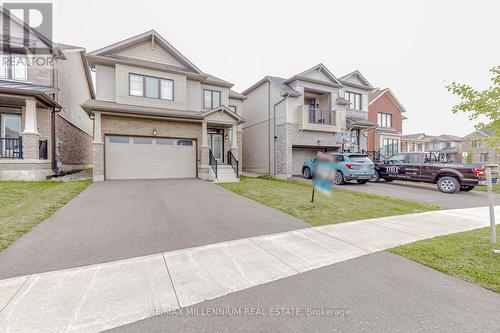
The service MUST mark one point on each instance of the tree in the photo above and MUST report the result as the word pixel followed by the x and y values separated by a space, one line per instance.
pixel 481 105
pixel 469 158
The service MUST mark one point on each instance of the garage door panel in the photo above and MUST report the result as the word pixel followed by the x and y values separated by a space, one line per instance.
pixel 299 156
pixel 150 160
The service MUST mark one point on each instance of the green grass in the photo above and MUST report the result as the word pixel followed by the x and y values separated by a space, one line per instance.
pixel 466 255
pixel 496 188
pixel 25 204
pixel 342 206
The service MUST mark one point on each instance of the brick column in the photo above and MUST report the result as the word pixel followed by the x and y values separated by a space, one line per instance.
pixel 203 167
pixel 98 150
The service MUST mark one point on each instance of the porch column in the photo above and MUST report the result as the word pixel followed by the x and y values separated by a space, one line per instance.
pixel 30 132
pixel 98 149
pixel 234 138
pixel 203 171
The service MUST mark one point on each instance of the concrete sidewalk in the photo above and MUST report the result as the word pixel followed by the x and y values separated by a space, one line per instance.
pixel 98 297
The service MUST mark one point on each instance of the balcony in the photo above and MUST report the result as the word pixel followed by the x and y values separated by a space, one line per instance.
pixel 317 119
pixel 11 148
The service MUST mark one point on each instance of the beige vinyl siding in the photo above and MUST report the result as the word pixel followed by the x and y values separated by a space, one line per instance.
pixel 319 75
pixel 73 91
pixel 122 88
pixel 105 83
pixel 158 54
pixel 194 98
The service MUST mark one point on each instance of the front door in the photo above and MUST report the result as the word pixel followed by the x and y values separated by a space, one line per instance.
pixel 10 128
pixel 215 142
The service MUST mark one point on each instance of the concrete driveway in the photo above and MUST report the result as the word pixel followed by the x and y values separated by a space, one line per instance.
pixel 121 219
pixel 418 192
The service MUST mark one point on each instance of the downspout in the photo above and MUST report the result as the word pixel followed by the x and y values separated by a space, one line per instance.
pixel 275 135
pixel 53 140
pixel 269 124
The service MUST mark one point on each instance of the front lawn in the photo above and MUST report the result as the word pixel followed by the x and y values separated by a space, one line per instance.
pixel 466 255
pixel 342 206
pixel 25 204
pixel 496 188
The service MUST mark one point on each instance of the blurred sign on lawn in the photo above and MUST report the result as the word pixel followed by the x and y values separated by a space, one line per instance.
pixel 324 174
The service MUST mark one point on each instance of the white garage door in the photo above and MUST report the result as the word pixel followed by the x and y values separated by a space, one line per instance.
pixel 298 158
pixel 149 158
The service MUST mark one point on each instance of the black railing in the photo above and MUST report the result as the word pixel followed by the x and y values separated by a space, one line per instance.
pixel 320 116
pixel 11 147
pixel 42 149
pixel 374 155
pixel 233 162
pixel 212 162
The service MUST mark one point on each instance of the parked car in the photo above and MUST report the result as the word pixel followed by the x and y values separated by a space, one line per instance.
pixel 426 167
pixel 350 166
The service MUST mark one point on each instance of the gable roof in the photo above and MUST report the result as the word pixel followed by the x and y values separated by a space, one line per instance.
pixel 236 95
pixel 155 38
pixel 224 109
pixel 425 137
pixel 320 68
pixel 485 133
pixel 279 82
pixel 356 74
pixel 377 93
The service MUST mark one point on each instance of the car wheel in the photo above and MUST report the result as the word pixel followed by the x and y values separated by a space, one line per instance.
pixel 306 172
pixel 466 188
pixel 362 181
pixel 339 178
pixel 448 185
pixel 375 178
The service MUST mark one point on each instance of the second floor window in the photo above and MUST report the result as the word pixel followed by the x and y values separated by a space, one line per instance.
pixel 477 143
pixel 354 100
pixel 385 119
pixel 484 157
pixel 211 99
pixel 151 87
pixel 14 67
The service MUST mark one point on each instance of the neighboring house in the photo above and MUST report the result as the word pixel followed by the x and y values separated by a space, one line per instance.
pixel 43 130
pixel 289 120
pixel 445 146
pixel 475 149
pixel 157 115
pixel 385 110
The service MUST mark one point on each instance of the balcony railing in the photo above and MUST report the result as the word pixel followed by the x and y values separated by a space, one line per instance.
pixel 11 148
pixel 321 116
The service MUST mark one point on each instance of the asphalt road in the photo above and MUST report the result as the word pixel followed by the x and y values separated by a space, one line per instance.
pixel 419 192
pixel 381 291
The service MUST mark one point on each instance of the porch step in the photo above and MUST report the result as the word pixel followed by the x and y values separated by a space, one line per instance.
pixel 225 174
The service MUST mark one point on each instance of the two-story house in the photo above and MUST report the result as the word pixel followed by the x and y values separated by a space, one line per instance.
pixel 157 115
pixel 445 146
pixel 43 130
pixel 385 110
pixel 289 120
pixel 475 148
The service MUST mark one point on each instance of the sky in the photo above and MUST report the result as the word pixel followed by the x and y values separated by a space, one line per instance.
pixel 413 47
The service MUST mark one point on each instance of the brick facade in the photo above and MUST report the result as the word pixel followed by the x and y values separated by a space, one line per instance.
pixel 73 146
pixel 384 104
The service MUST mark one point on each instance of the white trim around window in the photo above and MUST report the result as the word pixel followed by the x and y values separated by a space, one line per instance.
pixel 151 87
pixel 14 66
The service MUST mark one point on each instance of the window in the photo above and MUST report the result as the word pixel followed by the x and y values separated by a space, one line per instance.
pixel 404 146
pixel 167 89
pixel 385 120
pixel 419 147
pixel 477 143
pixel 412 146
pixel 390 146
pixel 143 141
pixel 14 67
pixel 151 87
pixel 484 157
pixel 118 139
pixel 232 108
pixel 355 137
pixel 184 142
pixel 211 99
pixel 168 142
pixel 396 159
pixel 427 145
pixel 412 158
pixel 136 85
pixel 354 100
